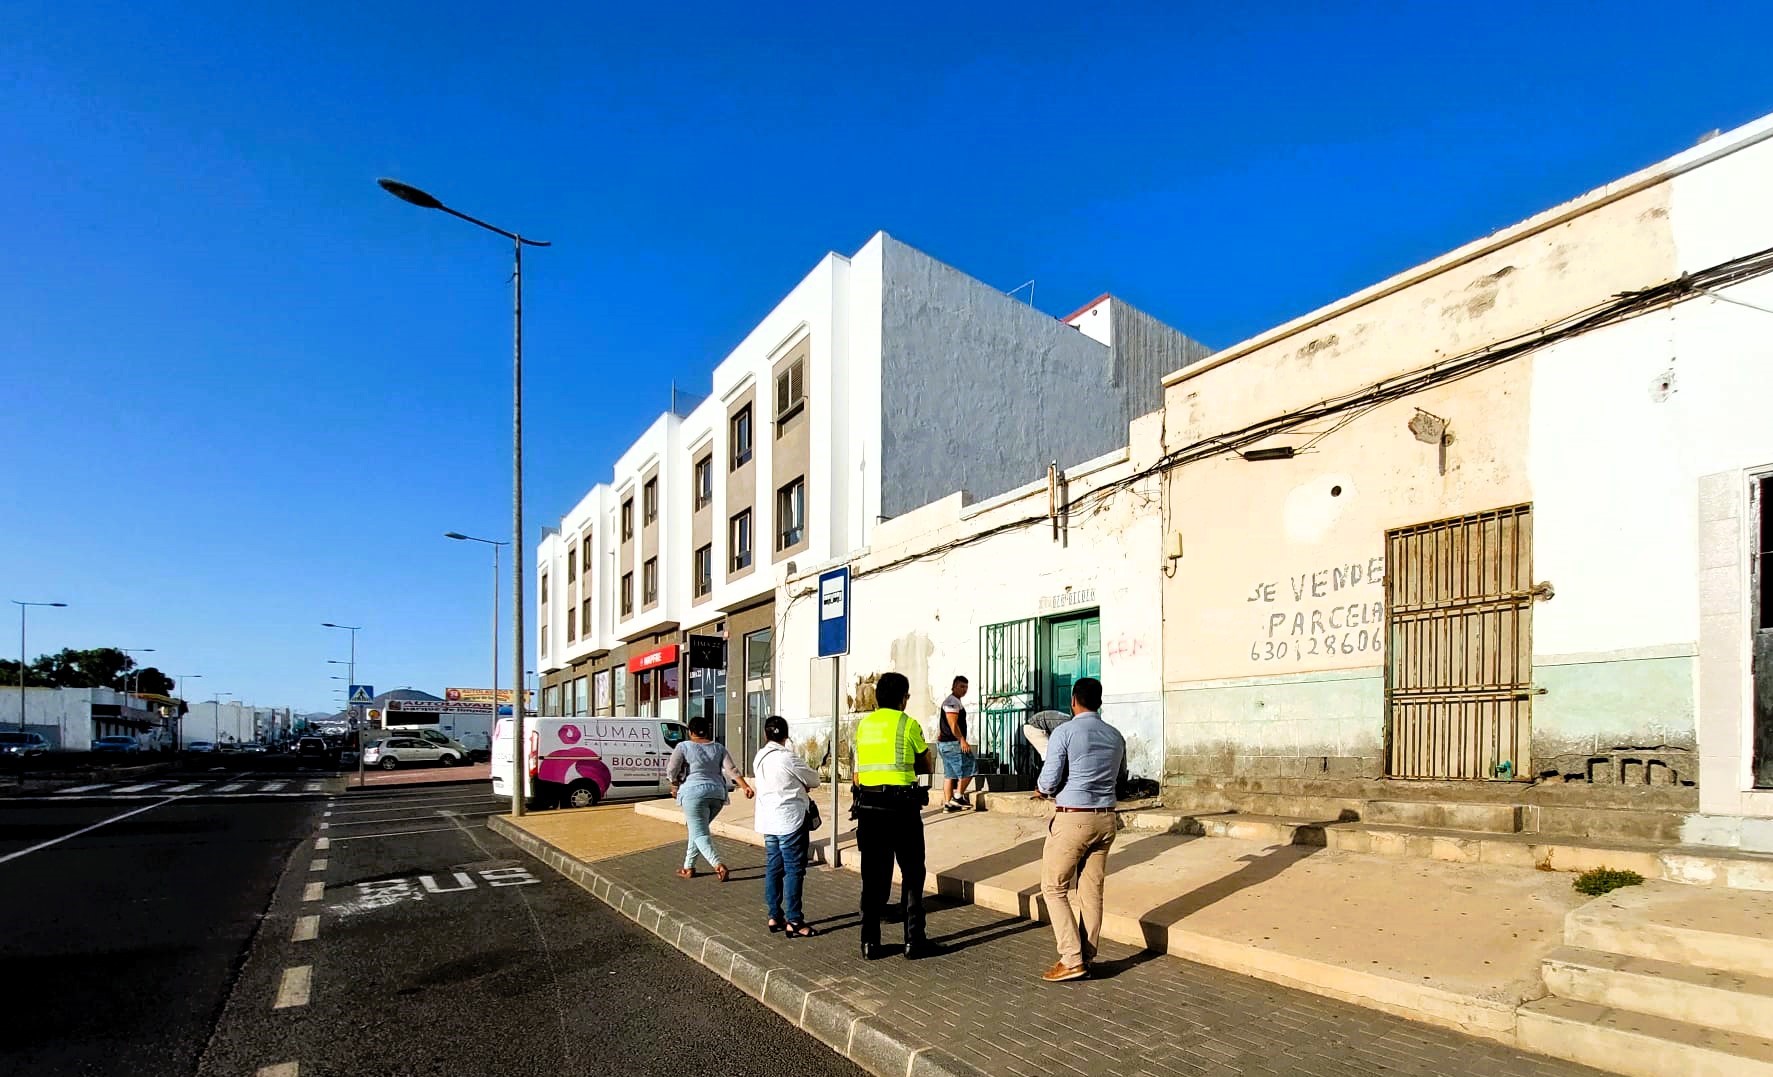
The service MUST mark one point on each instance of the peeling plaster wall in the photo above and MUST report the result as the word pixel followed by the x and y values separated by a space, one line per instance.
pixel 1274 620
pixel 923 618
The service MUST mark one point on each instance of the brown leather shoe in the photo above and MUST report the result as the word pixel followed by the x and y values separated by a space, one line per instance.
pixel 1061 972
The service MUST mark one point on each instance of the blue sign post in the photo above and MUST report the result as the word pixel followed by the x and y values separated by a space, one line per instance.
pixel 834 643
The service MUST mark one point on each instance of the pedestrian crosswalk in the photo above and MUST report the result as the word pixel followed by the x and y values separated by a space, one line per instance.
pixel 254 787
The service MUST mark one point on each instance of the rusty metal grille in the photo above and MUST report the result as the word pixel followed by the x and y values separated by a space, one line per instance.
pixel 1459 668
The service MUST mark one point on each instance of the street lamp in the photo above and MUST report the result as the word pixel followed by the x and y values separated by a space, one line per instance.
pixel 350 705
pixel 22 607
pixel 412 195
pixel 517 694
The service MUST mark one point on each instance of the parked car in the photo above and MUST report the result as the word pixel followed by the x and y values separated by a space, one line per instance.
pixel 253 747
pixel 200 746
pixel 122 743
pixel 390 752
pixel 17 745
pixel 479 747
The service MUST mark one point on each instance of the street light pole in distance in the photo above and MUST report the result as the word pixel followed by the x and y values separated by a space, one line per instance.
pixel 413 196
pixel 22 607
pixel 351 667
pixel 517 693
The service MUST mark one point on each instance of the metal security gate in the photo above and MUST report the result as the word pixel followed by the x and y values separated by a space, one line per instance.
pixel 1009 666
pixel 1459 667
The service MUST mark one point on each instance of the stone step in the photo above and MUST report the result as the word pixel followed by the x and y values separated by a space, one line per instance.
pixel 1712 998
pixel 1445 815
pixel 1708 928
pixel 1638 1044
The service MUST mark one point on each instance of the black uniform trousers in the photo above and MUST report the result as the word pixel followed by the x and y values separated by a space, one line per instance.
pixel 889 828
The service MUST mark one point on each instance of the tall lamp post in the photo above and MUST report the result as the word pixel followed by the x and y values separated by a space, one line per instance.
pixel 351 673
pixel 515 695
pixel 178 685
pixel 414 196
pixel 132 652
pixel 22 607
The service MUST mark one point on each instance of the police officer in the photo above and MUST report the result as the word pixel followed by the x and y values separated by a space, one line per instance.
pixel 888 805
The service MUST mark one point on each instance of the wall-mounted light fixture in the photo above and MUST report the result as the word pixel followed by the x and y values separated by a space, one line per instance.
pixel 1273 452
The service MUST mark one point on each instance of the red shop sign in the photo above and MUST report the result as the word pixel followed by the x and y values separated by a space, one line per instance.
pixel 653 659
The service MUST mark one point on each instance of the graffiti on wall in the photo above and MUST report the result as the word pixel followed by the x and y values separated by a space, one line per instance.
pixel 1309 617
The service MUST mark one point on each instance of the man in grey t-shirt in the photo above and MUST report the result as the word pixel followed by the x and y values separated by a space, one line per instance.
pixel 958 763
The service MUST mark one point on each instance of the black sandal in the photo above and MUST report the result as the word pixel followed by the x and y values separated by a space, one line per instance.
pixel 774 925
pixel 801 930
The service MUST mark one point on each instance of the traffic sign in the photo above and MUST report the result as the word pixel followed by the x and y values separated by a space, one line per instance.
pixel 362 693
pixel 834 612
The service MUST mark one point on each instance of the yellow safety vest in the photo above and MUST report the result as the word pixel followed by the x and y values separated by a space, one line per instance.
pixel 884 752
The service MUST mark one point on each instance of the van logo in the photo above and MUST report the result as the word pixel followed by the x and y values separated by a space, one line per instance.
pixel 569 734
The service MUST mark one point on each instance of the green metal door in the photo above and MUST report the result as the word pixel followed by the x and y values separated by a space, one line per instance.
pixel 1074 649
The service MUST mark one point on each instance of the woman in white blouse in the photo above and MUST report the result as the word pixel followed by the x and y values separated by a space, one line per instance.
pixel 783 783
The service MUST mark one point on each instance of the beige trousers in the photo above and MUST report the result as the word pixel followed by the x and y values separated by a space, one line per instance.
pixel 1076 860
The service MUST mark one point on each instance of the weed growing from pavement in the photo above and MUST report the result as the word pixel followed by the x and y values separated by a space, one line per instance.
pixel 1600 881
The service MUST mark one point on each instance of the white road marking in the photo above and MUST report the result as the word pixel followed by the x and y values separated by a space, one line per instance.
pixel 84 788
pixel 314 891
pixel 85 830
pixel 318 865
pixel 185 788
pixel 293 990
pixel 137 788
pixel 323 826
pixel 322 843
pixel 281 1069
pixel 272 787
pixel 307 929
pixel 398 833
pixel 233 787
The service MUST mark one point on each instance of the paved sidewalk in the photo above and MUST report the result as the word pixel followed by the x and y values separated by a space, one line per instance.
pixel 981 1008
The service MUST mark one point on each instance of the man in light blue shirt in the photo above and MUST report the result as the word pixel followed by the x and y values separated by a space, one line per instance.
pixel 1085 762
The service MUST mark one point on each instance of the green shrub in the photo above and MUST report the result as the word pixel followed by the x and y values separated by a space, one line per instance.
pixel 1605 881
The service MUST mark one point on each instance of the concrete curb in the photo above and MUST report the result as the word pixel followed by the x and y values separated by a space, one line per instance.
pixel 863 1038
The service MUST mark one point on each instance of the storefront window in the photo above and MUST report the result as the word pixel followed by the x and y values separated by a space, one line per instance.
pixel 759 685
pixel 707 699
pixel 600 691
pixel 620 677
pixel 643 692
pixel 581 697
pixel 551 700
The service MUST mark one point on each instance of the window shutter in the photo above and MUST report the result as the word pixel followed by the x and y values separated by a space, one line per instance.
pixel 797 391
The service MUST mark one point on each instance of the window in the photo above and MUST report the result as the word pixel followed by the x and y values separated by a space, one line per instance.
pixel 790 393
pixel 705 482
pixel 704 570
pixel 650 497
pixel 544 641
pixel 544 588
pixel 572 625
pixel 572 565
pixel 741 438
pixel 791 514
pixel 650 579
pixel 628 520
pixel 740 541
pixel 585 615
pixel 627 594
pixel 621 684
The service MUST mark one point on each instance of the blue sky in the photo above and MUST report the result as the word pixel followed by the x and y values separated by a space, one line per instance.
pixel 242 391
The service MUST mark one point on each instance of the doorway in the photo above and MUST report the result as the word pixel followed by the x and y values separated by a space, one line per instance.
pixel 1074 649
pixel 1459 653
pixel 1760 496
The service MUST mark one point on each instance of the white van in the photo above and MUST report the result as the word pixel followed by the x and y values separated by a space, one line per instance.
pixel 578 762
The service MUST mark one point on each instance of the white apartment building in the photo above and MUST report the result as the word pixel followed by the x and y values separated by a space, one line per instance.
pixel 882 382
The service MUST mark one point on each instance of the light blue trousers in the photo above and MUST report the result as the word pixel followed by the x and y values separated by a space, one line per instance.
pixel 700 811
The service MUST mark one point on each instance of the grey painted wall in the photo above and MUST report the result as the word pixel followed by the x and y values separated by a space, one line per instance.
pixel 979 391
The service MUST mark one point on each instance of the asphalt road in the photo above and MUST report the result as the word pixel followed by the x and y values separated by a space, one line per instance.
pixel 118 945
pixel 237 928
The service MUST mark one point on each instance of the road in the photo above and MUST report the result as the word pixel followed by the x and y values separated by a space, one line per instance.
pixel 382 931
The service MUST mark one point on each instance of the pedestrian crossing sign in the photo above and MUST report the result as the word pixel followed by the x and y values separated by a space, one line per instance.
pixel 362 693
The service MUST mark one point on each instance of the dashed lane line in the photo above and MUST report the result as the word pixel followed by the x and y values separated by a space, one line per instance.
pixel 314 891
pixel 318 865
pixel 294 988
pixel 321 843
pixel 232 787
pixel 401 833
pixel 281 1069
pixel 145 786
pixel 307 929
pixel 185 788
pixel 84 788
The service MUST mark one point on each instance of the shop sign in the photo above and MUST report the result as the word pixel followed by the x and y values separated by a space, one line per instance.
pixel 1068 600
pixel 707 652
pixel 653 659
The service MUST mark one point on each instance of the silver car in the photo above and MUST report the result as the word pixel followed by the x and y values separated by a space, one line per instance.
pixel 390 752
pixel 23 745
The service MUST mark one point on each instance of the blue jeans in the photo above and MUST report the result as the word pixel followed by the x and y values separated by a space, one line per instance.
pixel 783 873
pixel 699 811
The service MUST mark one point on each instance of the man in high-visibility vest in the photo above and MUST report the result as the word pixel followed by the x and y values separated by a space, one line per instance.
pixel 888 809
